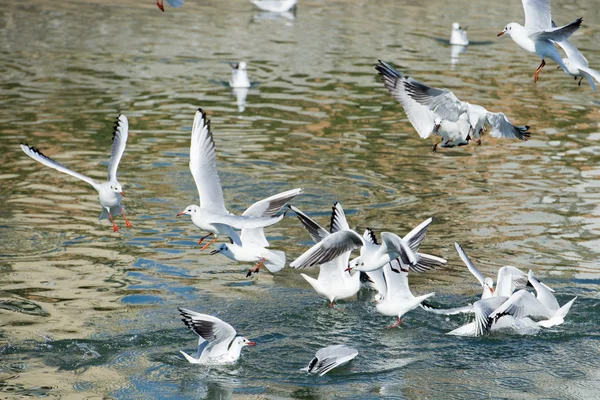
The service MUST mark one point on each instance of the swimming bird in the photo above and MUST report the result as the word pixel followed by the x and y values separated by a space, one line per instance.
pixel 251 245
pixel 447 108
pixel 110 193
pixel 538 35
pixel 239 76
pixel 577 64
pixel 277 6
pixel 211 215
pixel 398 299
pixel 333 282
pixel 217 343
pixel 329 358
pixel 458 36
pixel 172 3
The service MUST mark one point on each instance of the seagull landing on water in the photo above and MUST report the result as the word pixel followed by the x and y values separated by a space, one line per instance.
pixel 459 35
pixel 538 35
pixel 172 3
pixel 239 75
pixel 427 105
pixel 211 215
pixel 251 245
pixel 218 343
pixel 110 193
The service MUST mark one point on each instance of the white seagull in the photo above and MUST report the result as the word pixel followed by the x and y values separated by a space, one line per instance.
pixel 239 76
pixel 538 35
pixel 251 245
pixel 211 215
pixel 343 239
pixel 110 193
pixel 447 107
pixel 458 37
pixel 454 132
pixel 577 64
pixel 329 358
pixel 218 343
pixel 398 299
pixel 276 6
pixel 172 3
pixel 333 282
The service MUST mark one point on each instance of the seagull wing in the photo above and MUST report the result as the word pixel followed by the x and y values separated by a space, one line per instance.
pixel 537 15
pixel 330 357
pixel 417 235
pixel 369 236
pixel 447 311
pixel 572 52
pixel 421 118
pixel 483 309
pixel 509 279
pixel 119 142
pixel 316 231
pixel 544 293
pixel 47 161
pixel 502 128
pixel 329 248
pixel 203 165
pixel 271 205
pixel 463 256
pixel 520 305
pixel 397 248
pixel 397 281
pixel 558 34
pixel 338 219
pixel 441 101
pixel 218 333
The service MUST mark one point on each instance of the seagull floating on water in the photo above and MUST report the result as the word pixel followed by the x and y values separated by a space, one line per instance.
pixel 218 343
pixel 211 215
pixel 239 76
pixel 110 193
pixel 251 245
pixel 459 35
pixel 538 35
pixel 333 282
pixel 329 358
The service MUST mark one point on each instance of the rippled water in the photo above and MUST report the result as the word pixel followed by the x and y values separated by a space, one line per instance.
pixel 87 312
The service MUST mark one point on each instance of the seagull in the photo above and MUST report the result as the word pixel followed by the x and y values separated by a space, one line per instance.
pixel 538 34
pixel 329 358
pixel 239 75
pixel 172 3
pixel 211 215
pixel 454 132
pixel 110 193
pixel 333 282
pixel 343 239
pixel 277 6
pixel 251 245
pixel 218 343
pixel 577 64
pixel 458 36
pixel 447 107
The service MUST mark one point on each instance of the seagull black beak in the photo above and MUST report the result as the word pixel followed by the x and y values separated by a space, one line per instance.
pixel 212 253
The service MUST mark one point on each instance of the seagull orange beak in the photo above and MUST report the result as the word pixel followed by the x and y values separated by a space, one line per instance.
pixel 122 194
pixel 500 34
pixel 348 269
pixel 251 343
pixel 181 213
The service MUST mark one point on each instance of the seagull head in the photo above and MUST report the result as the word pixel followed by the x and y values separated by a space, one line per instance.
pixel 437 122
pixel 222 249
pixel 378 297
pixel 507 29
pixel 189 210
pixel 242 341
pixel 489 283
pixel 117 188
pixel 354 265
pixel 242 66
pixel 456 26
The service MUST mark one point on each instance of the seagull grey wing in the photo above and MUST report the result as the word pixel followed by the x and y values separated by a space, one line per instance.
pixel 447 311
pixel 203 165
pixel 537 15
pixel 520 305
pixel 558 34
pixel 421 118
pixel 328 249
pixel 369 236
pixel 502 128
pixel 463 256
pixel 572 52
pixel 253 237
pixel 483 309
pixel 119 142
pixel 441 102
pixel 218 333
pixel 331 357
pixel 338 219
pixel 317 233
pixel 271 205
pixel 427 262
pixel 509 279
pixel 397 248
pixel 544 293
pixel 47 161
pixel 417 235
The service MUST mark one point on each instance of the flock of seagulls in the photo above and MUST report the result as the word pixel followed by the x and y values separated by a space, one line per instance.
pixel 381 265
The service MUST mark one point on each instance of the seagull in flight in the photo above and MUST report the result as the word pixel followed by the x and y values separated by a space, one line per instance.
pixel 577 64
pixel 211 215
pixel 110 193
pixel 217 343
pixel 538 35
